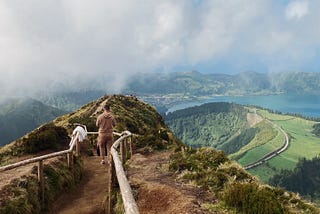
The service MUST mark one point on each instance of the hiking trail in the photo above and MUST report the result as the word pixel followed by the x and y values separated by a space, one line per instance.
pixel 88 197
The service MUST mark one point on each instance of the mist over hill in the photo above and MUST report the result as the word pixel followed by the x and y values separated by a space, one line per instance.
pixel 245 83
pixel 191 83
pixel 69 100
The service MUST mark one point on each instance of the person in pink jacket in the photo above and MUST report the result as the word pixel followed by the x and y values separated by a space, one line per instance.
pixel 105 122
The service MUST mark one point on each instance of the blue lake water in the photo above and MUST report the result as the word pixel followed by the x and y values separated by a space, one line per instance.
pixel 306 105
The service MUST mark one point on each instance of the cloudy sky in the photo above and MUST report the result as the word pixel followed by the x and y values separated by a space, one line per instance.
pixel 63 44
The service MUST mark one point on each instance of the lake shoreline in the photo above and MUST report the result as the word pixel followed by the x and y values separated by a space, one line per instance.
pixel 305 105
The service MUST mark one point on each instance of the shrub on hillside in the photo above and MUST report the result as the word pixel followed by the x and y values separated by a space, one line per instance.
pixel 249 198
pixel 46 137
pixel 153 140
pixel 21 196
pixel 316 129
pixel 200 166
pixel 197 159
pixel 89 122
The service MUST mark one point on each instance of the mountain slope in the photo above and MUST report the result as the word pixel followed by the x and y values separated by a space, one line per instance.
pixel 218 126
pixel 211 124
pixel 19 116
pixel 205 180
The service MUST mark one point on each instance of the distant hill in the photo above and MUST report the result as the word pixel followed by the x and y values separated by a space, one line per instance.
pixel 70 101
pixel 19 116
pixel 196 83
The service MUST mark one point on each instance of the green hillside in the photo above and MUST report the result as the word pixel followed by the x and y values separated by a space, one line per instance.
pixel 248 144
pixel 303 144
pixel 213 124
pixel 228 186
pixel 21 115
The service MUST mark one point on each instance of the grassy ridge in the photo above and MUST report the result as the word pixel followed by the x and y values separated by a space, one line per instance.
pixel 138 117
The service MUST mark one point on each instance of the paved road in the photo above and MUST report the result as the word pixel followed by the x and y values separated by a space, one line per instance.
pixel 273 153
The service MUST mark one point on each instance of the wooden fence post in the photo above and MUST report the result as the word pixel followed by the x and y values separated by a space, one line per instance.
pixel 70 159
pixel 110 187
pixel 77 147
pixel 122 151
pixel 130 145
pixel 125 144
pixel 41 180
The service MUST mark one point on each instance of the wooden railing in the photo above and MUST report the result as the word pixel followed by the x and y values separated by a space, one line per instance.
pixel 74 145
pixel 124 140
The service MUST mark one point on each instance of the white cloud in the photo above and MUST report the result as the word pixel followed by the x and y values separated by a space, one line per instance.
pixel 95 43
pixel 297 9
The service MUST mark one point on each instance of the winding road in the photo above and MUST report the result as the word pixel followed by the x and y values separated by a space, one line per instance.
pixel 273 153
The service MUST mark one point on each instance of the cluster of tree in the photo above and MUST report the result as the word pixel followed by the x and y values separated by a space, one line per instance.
pixel 316 129
pixel 220 125
pixel 305 178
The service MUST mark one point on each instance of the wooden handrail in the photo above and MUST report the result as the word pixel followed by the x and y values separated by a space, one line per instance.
pixel 43 157
pixel 130 205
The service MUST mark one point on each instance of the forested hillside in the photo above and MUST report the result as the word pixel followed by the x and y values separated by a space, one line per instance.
pixel 223 126
pixel 304 178
pixel 21 115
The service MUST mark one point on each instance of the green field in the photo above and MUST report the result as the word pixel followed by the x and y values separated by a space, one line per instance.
pixel 265 141
pixel 303 143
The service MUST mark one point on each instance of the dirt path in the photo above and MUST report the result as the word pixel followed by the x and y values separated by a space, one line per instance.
pixel 90 194
pixel 157 189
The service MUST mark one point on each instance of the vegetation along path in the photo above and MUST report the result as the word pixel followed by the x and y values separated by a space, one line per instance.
pixel 158 189
pixel 273 153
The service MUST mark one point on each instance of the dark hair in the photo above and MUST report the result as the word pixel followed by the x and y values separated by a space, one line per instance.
pixel 107 107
